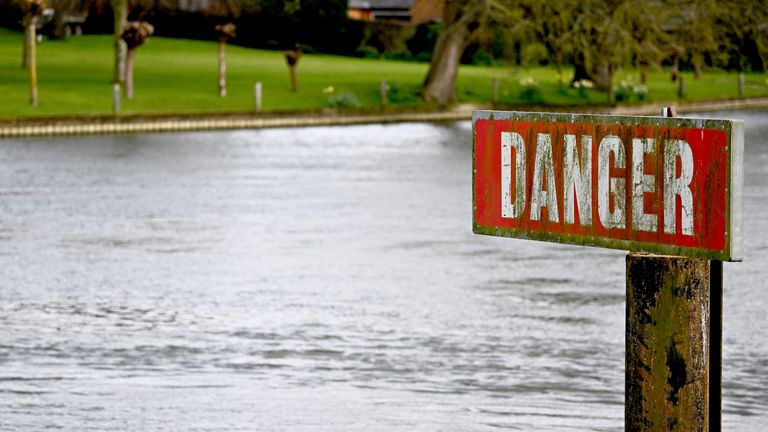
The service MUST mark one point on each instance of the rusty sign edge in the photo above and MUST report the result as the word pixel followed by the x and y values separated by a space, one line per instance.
pixel 733 249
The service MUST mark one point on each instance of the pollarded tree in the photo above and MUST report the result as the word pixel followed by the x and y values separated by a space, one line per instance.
pixel 120 11
pixel 224 32
pixel 292 59
pixel 136 33
pixel 34 9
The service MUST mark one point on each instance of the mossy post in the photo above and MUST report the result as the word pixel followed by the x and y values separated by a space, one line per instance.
pixel 673 342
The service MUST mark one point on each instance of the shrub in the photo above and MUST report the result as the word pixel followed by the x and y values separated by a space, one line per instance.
pixel 530 91
pixel 367 51
pixel 340 100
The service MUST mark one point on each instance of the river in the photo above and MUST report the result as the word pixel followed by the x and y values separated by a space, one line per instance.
pixel 317 279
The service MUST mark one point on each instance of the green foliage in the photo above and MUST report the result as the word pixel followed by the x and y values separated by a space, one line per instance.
pixel 367 51
pixel 533 54
pixel 627 89
pixel 482 58
pixel 530 92
pixel 340 99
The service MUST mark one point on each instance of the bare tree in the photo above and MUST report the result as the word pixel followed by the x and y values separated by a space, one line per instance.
pixel 224 33
pixel 136 33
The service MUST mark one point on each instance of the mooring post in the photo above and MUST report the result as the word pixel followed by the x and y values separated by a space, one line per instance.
pixel 116 98
pixel 383 93
pixel 740 80
pixel 673 342
pixel 257 95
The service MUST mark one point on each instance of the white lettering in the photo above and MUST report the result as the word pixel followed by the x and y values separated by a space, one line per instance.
pixel 678 186
pixel 544 166
pixel 607 187
pixel 509 141
pixel 642 183
pixel 577 179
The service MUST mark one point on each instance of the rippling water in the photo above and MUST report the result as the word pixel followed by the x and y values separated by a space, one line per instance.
pixel 316 279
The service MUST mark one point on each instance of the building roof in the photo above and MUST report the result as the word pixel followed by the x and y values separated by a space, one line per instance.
pixel 380 4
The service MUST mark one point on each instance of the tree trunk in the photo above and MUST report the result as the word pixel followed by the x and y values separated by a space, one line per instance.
pixel 559 64
pixel 294 78
pixel 441 80
pixel 120 9
pixel 697 70
pixel 222 68
pixel 28 40
pixel 644 73
pixel 602 77
pixel 32 62
pixel 675 70
pixel 129 56
pixel 580 71
pixel 440 83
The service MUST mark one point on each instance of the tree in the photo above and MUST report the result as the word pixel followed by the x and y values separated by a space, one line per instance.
pixel 136 33
pixel 292 59
pixel 120 11
pixel 458 16
pixel 34 9
pixel 695 31
pixel 224 33
pixel 551 23
pixel 742 26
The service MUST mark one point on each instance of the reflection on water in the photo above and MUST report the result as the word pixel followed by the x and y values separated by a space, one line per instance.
pixel 316 279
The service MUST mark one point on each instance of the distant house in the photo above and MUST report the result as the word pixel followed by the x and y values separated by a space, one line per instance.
pixel 403 11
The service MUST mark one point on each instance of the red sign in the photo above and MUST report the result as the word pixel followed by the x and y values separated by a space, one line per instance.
pixel 660 185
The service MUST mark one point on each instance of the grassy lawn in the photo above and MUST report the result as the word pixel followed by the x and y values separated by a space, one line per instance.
pixel 174 75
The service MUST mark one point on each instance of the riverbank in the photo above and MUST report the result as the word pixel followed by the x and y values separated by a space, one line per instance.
pixel 118 124
pixel 180 77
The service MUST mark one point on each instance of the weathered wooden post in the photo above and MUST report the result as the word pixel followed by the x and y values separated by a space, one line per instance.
pixel 741 84
pixel 682 92
pixel 673 341
pixel 670 187
pixel 257 95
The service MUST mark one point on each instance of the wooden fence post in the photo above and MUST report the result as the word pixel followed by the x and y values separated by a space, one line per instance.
pixel 257 95
pixel 384 93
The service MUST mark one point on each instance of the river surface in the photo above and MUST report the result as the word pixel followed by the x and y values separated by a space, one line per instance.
pixel 317 279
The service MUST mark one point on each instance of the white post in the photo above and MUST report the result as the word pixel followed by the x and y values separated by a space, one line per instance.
pixel 116 98
pixel 383 90
pixel 257 95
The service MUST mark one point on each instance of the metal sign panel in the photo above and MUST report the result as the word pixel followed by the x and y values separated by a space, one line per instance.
pixel 670 186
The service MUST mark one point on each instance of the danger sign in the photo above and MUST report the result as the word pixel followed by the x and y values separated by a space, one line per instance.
pixel 663 185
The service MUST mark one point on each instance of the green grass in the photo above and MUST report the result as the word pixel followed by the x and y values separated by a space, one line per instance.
pixel 174 75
